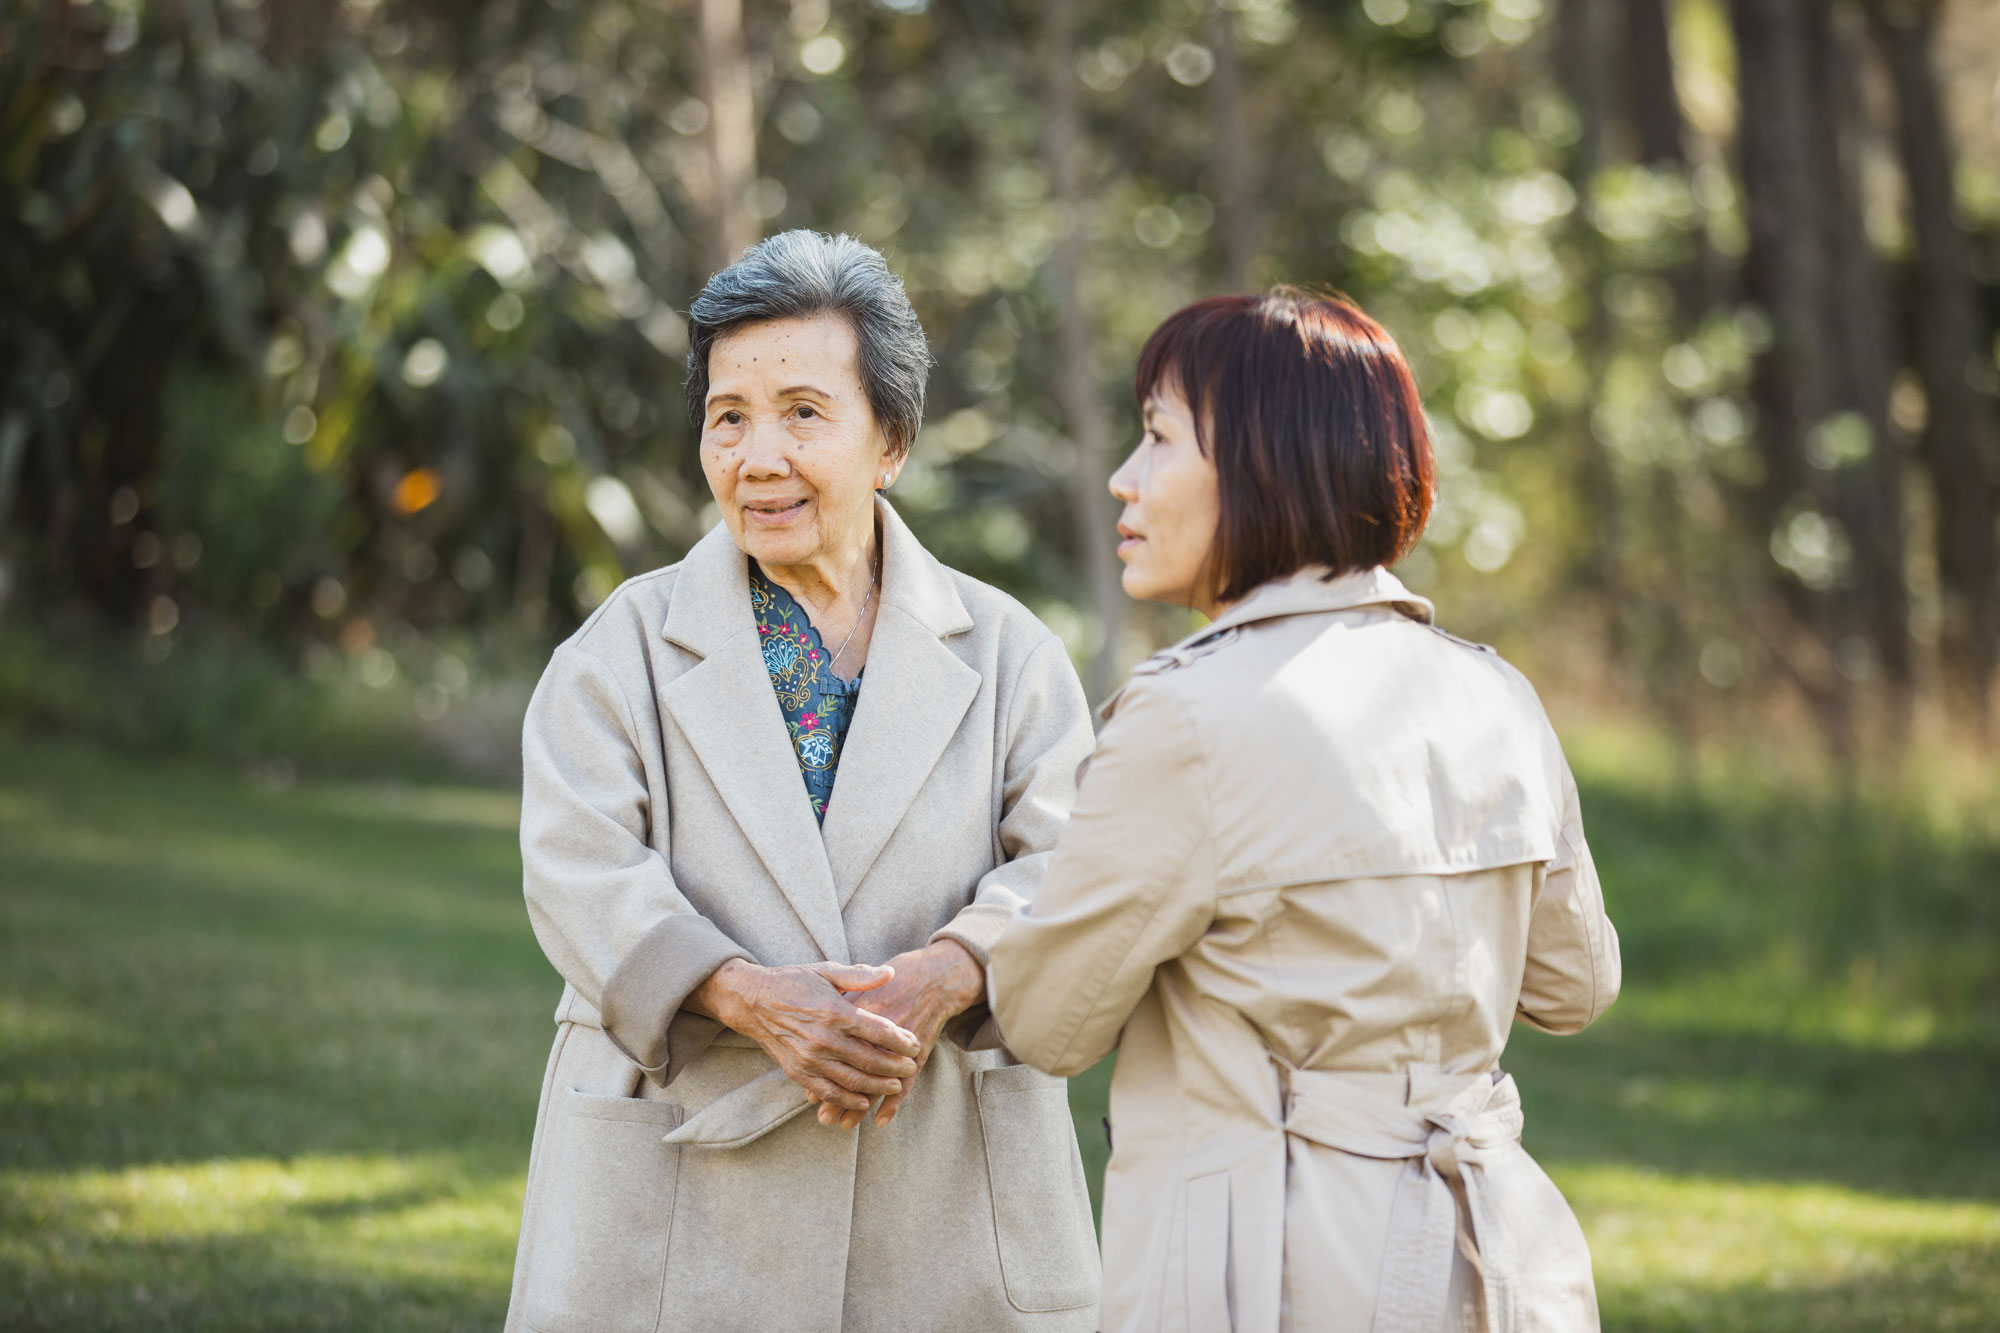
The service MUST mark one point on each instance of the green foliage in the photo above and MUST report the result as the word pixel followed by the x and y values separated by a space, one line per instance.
pixel 440 249
pixel 252 513
pixel 451 242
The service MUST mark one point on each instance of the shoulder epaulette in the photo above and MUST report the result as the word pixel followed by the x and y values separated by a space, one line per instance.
pixel 1169 659
pixel 1463 643
pixel 1173 659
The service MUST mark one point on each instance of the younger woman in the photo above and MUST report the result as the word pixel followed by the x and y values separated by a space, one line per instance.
pixel 1323 858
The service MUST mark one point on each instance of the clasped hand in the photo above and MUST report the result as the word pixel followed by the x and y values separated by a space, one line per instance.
pixel 843 1051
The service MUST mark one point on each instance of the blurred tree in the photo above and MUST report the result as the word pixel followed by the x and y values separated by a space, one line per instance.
pixel 732 133
pixel 359 325
pixel 1958 439
pixel 1233 152
pixel 1080 385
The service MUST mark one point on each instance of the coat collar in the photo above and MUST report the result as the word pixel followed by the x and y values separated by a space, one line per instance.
pixel 915 692
pixel 1309 591
pixel 711 597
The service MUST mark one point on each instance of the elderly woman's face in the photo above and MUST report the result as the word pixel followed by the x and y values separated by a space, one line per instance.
pixel 791 447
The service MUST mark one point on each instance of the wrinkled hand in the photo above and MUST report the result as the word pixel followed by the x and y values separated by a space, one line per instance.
pixel 931 986
pixel 843 1056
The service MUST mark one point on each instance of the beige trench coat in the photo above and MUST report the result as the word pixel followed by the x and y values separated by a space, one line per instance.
pixel 1325 855
pixel 673 1183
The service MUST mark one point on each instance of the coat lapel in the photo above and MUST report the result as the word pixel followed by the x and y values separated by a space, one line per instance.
pixel 914 694
pixel 726 708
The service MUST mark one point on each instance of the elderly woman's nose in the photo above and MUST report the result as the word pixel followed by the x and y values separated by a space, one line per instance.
pixel 766 451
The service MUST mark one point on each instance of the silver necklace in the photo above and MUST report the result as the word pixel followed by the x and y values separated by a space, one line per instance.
pixel 874 577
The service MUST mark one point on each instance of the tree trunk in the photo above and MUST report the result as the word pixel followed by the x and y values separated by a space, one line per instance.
pixel 1651 104
pixel 1581 44
pixel 1651 100
pixel 1077 382
pixel 1868 492
pixel 534 566
pixel 1784 270
pixel 1232 152
pixel 1785 273
pixel 732 130
pixel 13 448
pixel 1659 128
pixel 1957 446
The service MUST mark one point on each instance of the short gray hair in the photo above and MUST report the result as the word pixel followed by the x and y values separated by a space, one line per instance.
pixel 798 274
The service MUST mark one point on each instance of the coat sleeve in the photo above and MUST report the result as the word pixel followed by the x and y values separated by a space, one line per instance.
pixel 1131 886
pixel 602 901
pixel 1045 739
pixel 1574 970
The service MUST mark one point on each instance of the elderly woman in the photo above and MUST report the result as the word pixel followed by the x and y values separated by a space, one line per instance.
pixel 769 878
pixel 1324 857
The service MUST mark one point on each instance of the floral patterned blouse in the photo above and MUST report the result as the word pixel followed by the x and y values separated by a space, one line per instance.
pixel 817 704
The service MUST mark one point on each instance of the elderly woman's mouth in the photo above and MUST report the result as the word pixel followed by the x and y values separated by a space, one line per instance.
pixel 770 511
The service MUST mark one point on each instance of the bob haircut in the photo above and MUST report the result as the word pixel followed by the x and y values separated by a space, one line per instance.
pixel 1322 455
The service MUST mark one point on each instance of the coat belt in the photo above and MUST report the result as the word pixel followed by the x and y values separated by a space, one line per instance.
pixel 1443 1133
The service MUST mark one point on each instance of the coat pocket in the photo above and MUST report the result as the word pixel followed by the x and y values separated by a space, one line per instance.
pixel 1041 1206
pixel 603 1216
pixel 1205 1241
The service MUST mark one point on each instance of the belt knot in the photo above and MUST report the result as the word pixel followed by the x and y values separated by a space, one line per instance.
pixel 1448 1133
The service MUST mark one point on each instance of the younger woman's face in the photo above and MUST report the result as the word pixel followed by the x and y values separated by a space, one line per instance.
pixel 1172 506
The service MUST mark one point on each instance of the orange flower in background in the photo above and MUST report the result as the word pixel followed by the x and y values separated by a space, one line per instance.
pixel 418 488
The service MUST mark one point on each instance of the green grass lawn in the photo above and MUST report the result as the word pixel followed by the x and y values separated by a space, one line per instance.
pixel 269 1058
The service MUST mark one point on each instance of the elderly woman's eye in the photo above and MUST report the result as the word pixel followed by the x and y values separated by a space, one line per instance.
pixel 732 418
pixel 808 410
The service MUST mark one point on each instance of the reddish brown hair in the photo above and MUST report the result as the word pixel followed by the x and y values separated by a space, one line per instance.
pixel 1321 452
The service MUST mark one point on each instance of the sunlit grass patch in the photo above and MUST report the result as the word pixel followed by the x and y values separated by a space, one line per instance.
pixel 476 808
pixel 1678 1252
pixel 257 1241
pixel 348 1205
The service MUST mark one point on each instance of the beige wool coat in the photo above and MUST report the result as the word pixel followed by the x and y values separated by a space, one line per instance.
pixel 1323 858
pixel 665 829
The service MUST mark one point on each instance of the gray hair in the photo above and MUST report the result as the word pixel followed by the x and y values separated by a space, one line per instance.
pixel 798 274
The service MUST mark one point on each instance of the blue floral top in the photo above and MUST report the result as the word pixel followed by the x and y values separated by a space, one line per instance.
pixel 817 704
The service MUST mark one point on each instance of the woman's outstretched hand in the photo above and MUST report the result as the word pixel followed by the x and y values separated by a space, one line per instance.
pixel 841 1054
pixel 931 986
